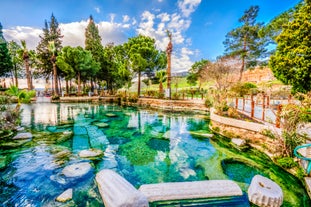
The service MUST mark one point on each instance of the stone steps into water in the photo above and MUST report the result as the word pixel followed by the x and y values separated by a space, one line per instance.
pixel 97 138
pixel 118 192
pixel 190 190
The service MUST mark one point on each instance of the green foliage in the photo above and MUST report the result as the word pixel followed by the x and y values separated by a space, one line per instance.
pixel 195 72
pixel 142 56
pixel 268 133
pixel 6 61
pixel 17 61
pixel 276 25
pixel 133 98
pixel 77 61
pixel 93 40
pixel 51 32
pixel 293 115
pixel 242 89
pixel 287 162
pixel 161 75
pixel 208 102
pixel 22 96
pixel 292 59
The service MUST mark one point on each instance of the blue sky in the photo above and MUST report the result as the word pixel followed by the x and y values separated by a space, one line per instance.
pixel 198 26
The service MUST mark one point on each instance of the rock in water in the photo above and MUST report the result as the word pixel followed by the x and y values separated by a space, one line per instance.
pixel 264 192
pixel 24 135
pixel 65 196
pixel 101 124
pixel 77 170
pixel 91 153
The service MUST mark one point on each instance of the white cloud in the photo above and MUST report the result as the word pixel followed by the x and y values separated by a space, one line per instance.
pixel 187 7
pixel 165 17
pixel 146 24
pixel 112 16
pixel 18 33
pixel 126 18
pixel 160 1
pixel 73 33
pixel 155 25
pixel 97 9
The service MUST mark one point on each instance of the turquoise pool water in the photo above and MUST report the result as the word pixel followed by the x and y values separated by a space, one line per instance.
pixel 144 146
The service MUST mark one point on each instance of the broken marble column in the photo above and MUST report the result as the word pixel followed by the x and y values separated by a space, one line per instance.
pixel 118 192
pixel 264 192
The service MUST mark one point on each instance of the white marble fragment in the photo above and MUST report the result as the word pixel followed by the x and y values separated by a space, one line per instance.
pixel 264 192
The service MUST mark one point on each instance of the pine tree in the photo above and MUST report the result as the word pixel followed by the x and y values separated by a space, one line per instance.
pixel 51 33
pixel 93 40
pixel 93 44
pixel 245 41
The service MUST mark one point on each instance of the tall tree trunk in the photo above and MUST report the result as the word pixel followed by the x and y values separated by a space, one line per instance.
pixel 56 91
pixel 14 76
pixel 243 58
pixel 79 84
pixel 26 60
pixel 60 85
pixel 138 87
pixel 31 80
pixel 67 87
pixel 92 85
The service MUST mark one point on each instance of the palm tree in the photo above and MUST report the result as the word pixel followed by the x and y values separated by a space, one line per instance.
pixel 25 56
pixel 52 49
pixel 20 95
pixel 161 75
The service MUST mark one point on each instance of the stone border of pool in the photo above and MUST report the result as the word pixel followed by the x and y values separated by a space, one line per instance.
pixel 193 105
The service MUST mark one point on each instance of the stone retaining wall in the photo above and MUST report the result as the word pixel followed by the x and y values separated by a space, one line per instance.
pixel 252 132
pixel 173 105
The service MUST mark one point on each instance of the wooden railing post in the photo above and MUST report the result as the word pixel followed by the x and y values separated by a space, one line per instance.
pixel 236 102
pixel 252 106
pixel 263 107
pixel 268 101
pixel 278 116
pixel 243 104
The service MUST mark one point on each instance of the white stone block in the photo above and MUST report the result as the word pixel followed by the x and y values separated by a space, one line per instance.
pixel 190 190
pixel 118 192
pixel 24 135
pixel 264 192
pixel 238 142
pixel 65 196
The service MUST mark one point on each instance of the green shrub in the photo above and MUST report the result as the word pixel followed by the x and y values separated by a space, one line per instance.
pixel 241 89
pixel 287 162
pixel 133 98
pixel 208 102
pixel 175 96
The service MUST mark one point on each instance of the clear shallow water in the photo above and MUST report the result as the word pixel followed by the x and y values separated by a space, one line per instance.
pixel 141 145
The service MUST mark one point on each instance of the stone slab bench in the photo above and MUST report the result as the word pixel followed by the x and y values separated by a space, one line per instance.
pixel 118 192
pixel 190 190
